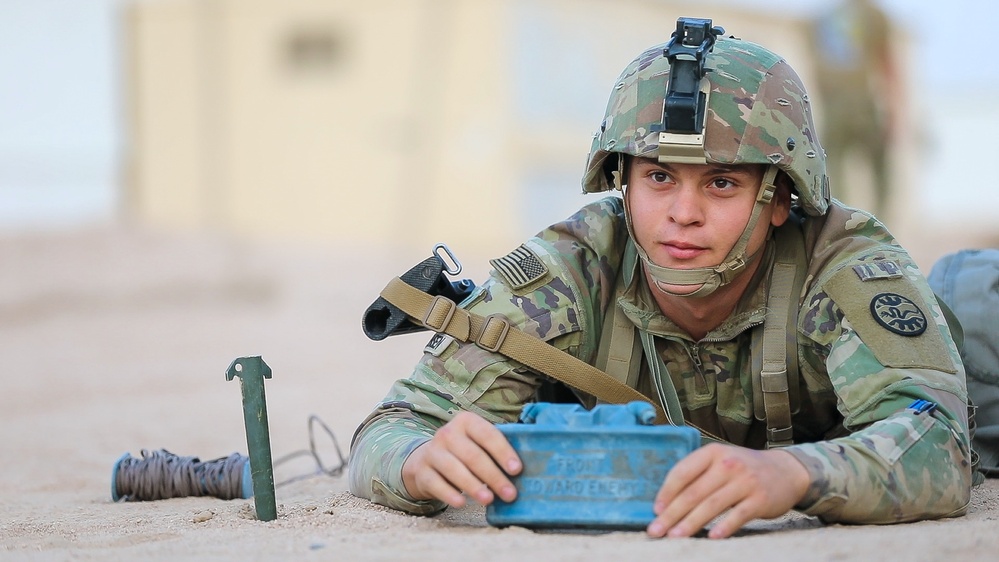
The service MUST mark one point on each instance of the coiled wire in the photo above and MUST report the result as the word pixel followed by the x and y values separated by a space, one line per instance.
pixel 161 474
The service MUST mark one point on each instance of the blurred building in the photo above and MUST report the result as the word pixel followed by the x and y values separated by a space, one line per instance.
pixel 386 121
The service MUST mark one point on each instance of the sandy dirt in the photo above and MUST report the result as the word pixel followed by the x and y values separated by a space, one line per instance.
pixel 115 340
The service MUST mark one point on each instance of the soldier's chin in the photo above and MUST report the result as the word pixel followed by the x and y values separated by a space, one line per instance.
pixel 677 290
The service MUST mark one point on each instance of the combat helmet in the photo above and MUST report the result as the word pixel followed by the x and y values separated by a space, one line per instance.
pixel 702 98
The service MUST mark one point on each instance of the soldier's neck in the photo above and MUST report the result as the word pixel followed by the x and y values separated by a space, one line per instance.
pixel 699 315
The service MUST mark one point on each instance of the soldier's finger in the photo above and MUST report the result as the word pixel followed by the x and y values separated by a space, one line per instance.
pixel 434 484
pixel 711 506
pixel 495 443
pixel 740 514
pixel 457 476
pixel 473 454
pixel 690 509
pixel 681 476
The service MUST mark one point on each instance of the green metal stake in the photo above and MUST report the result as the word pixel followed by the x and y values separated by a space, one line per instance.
pixel 251 372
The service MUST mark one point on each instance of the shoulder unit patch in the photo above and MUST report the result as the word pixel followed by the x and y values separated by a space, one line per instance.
pixel 891 317
pixel 520 267
pixel 898 314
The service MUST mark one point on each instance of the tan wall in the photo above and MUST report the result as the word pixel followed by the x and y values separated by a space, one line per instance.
pixel 305 118
pixel 393 122
pixel 166 181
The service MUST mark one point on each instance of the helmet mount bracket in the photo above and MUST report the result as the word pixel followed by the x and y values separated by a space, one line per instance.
pixel 685 101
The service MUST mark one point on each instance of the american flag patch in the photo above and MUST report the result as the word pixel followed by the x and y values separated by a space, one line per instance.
pixel 881 269
pixel 520 267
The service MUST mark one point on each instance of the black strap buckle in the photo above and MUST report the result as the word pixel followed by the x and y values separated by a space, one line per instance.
pixel 779 437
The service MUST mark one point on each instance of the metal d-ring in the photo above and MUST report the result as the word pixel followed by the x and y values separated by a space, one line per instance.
pixel 451 264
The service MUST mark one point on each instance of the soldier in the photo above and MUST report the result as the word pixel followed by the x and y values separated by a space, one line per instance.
pixel 858 84
pixel 724 244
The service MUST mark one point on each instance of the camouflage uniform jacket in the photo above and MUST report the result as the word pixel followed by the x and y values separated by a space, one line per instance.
pixel 871 458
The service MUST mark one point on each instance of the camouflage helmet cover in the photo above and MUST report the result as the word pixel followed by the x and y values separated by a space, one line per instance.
pixel 758 113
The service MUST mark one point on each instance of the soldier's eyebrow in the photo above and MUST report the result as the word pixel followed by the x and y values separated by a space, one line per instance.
pixel 734 169
pixel 714 169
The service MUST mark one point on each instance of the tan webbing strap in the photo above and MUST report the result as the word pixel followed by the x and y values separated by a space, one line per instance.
pixel 779 337
pixel 773 376
pixel 494 333
pixel 620 353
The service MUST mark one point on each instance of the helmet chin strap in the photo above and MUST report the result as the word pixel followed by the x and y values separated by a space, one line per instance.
pixel 708 279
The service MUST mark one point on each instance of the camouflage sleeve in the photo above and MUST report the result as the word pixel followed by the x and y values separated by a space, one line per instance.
pixel 451 377
pixel 906 467
pixel 900 463
pixel 380 446
pixel 549 288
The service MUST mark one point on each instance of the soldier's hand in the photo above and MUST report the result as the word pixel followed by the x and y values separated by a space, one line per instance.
pixel 716 478
pixel 467 455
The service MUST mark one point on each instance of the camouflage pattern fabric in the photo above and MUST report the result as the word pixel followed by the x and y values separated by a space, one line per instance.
pixel 872 459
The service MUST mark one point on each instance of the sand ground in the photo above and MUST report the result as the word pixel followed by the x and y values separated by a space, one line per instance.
pixel 116 339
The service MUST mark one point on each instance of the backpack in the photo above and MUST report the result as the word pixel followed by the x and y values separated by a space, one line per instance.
pixel 968 283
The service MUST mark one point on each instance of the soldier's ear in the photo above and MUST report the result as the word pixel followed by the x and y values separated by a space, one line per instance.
pixel 782 199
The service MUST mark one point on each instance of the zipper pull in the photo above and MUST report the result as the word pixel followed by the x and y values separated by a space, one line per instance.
pixel 695 356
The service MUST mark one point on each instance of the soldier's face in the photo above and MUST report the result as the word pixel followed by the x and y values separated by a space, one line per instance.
pixel 688 216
